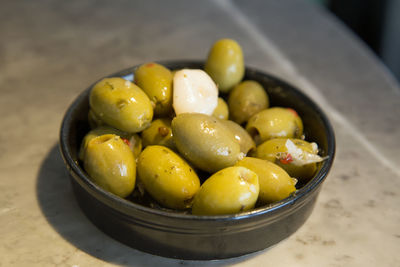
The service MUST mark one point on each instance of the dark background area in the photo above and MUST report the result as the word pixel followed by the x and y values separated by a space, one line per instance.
pixel 376 22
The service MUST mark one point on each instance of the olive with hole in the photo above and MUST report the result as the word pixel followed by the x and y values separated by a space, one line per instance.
pixel 275 182
pixel 225 64
pixel 241 135
pixel 230 190
pixel 110 164
pixel 205 142
pixel 297 157
pixel 167 177
pixel 159 133
pixel 247 99
pixel 222 110
pixel 156 81
pixel 275 122
pixel 121 104
pixel 133 140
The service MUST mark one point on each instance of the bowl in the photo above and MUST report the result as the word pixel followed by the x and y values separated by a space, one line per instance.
pixel 184 236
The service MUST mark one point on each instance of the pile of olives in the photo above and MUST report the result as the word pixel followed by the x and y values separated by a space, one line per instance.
pixel 204 142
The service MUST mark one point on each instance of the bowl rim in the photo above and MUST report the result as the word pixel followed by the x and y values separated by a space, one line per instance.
pixel 299 196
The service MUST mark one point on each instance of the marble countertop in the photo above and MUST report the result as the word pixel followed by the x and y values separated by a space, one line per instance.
pixel 51 50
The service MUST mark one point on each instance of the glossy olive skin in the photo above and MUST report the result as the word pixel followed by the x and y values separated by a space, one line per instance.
pixel 167 177
pixel 230 190
pixel 246 99
pixel 111 164
pixel 276 122
pixel 121 104
pixel 275 182
pixel 133 140
pixel 225 64
pixel 241 135
pixel 101 130
pixel 205 142
pixel 275 150
pixel 156 81
pixel 222 110
pixel 159 133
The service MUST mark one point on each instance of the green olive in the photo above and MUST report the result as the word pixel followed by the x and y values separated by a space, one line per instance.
pixel 221 111
pixel 276 151
pixel 121 104
pixel 230 190
pixel 111 164
pixel 205 142
pixel 225 64
pixel 167 177
pixel 156 81
pixel 276 122
pixel 159 133
pixel 133 140
pixel 275 182
pixel 247 99
pixel 241 135
pixel 101 130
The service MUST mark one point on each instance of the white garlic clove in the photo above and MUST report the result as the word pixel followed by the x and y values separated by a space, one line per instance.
pixel 194 92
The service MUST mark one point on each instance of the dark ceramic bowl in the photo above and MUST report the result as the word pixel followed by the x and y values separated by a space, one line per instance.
pixel 177 235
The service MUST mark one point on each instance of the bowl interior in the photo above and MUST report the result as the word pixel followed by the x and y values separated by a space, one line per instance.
pixel 316 129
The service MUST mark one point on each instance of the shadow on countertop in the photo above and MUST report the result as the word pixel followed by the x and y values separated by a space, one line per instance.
pixel 58 204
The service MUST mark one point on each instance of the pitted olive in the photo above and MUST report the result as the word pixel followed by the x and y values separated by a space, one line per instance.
pixel 110 164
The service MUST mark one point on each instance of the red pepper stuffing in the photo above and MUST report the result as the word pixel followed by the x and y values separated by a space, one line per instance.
pixel 293 111
pixel 287 159
pixel 126 141
pixel 149 65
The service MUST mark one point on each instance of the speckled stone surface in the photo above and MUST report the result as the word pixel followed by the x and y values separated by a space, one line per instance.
pixel 51 50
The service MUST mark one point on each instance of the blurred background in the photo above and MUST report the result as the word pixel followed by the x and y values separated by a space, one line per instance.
pixel 376 22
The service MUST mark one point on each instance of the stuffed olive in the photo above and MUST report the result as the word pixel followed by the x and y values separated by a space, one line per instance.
pixel 297 157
